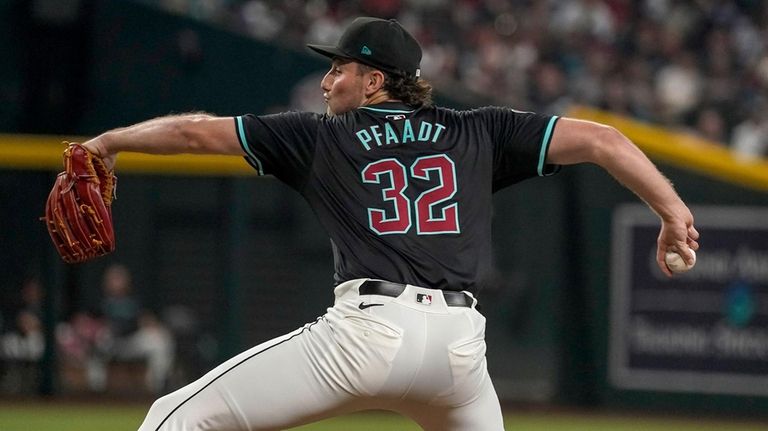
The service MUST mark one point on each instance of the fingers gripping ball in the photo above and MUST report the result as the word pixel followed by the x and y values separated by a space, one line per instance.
pixel 676 263
pixel 78 212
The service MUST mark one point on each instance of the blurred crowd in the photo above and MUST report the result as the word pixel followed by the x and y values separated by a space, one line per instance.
pixel 120 328
pixel 116 330
pixel 699 65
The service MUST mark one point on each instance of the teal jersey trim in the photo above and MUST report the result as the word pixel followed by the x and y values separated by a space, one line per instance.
pixel 390 111
pixel 246 146
pixel 545 145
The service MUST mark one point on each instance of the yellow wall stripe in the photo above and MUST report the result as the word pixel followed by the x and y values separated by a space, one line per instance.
pixel 684 150
pixel 41 152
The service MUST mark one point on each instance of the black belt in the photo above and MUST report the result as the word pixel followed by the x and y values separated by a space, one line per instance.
pixel 387 288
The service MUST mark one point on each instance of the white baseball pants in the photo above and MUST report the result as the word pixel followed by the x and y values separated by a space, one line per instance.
pixel 422 359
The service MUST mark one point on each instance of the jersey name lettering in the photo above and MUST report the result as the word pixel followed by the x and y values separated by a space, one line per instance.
pixel 388 135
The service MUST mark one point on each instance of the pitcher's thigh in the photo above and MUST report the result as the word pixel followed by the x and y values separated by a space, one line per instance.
pixel 269 387
pixel 481 414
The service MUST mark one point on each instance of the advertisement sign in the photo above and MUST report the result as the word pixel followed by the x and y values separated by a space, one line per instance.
pixel 702 331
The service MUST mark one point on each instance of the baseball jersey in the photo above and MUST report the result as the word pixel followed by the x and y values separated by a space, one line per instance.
pixel 404 193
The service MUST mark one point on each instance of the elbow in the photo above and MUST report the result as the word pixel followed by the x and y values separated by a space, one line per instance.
pixel 580 141
pixel 608 144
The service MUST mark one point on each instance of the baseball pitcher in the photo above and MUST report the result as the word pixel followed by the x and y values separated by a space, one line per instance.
pixel 404 190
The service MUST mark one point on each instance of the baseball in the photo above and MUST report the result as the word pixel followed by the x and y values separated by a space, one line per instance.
pixel 675 262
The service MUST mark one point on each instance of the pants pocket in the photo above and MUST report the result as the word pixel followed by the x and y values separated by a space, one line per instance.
pixel 468 369
pixel 368 348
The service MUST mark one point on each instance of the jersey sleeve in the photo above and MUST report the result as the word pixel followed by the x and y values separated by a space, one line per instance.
pixel 282 144
pixel 520 144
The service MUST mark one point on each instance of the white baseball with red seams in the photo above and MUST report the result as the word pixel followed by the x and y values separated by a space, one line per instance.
pixel 676 263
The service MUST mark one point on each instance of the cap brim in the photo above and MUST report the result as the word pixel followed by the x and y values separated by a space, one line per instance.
pixel 334 52
pixel 327 51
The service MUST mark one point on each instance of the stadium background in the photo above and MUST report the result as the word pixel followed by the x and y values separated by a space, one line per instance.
pixel 192 243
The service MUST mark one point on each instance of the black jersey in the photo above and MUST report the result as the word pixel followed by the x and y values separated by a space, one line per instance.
pixel 405 194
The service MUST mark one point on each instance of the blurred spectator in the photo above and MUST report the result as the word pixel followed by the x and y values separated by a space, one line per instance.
pixel 592 17
pixel 81 341
pixel 750 137
pixel 23 339
pixel 548 89
pixel 678 89
pixel 711 126
pixel 135 333
pixel 121 331
pixel 32 296
pixel 25 342
pixel 119 305
pixel 81 337
pixel 22 342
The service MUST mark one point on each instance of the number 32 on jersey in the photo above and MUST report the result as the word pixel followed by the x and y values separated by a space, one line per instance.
pixel 432 210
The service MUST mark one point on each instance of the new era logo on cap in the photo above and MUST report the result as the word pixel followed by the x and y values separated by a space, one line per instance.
pixel 365 50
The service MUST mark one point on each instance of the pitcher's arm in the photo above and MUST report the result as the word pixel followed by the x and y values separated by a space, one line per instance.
pixel 173 134
pixel 577 141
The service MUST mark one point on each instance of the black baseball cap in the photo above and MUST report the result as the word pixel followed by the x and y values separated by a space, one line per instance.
pixel 380 43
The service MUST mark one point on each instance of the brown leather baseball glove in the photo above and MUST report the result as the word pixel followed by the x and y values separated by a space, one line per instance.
pixel 78 213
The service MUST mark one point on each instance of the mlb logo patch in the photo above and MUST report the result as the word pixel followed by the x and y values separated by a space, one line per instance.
pixel 425 299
